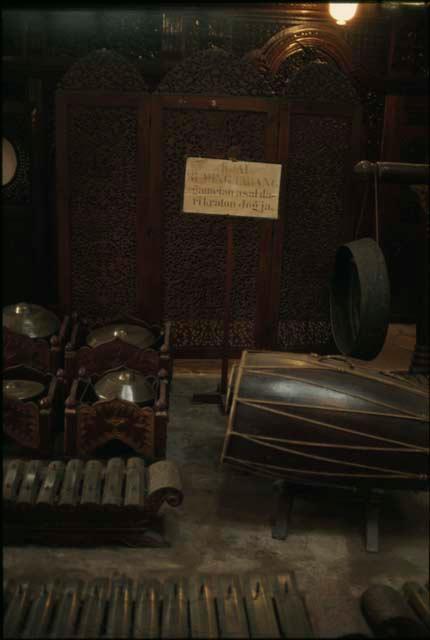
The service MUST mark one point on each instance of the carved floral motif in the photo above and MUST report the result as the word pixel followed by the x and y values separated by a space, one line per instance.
pixel 217 72
pixel 319 146
pixel 20 349
pixel 103 209
pixel 194 293
pixel 103 70
pixel 106 420
pixel 21 422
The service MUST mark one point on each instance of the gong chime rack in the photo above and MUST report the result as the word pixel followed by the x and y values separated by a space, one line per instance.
pixel 93 502
pixel 26 340
pixel 198 607
pixel 126 341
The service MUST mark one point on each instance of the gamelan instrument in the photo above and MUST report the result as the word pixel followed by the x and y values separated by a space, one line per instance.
pixel 126 385
pixel 131 333
pixel 22 389
pixel 30 320
pixel 325 420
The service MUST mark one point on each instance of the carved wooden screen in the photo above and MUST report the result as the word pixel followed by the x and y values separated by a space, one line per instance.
pixel 191 249
pixel 101 164
pixel 322 143
pixel 102 131
pixel 18 204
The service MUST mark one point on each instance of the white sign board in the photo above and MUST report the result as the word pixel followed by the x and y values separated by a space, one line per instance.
pixel 232 188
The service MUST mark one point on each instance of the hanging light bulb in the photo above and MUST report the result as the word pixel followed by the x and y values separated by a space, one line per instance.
pixel 342 11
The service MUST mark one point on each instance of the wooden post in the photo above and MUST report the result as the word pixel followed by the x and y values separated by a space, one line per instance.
pixel 193 204
pixel 229 266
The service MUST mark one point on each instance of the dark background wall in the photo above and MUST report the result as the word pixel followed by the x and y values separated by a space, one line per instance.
pixel 389 46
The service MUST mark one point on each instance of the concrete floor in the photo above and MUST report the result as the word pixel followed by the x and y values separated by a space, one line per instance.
pixel 223 525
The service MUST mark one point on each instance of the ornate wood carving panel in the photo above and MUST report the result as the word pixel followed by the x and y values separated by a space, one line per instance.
pixel 193 247
pixel 102 121
pixel 19 349
pixel 115 419
pixel 21 422
pixel 193 262
pixel 103 70
pixel 128 247
pixel 197 243
pixel 217 72
pixel 314 221
pixel 102 158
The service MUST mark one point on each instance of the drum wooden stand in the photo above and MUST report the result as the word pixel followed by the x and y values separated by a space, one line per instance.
pixel 285 493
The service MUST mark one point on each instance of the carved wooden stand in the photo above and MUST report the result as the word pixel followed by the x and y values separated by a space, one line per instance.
pixel 91 423
pixel 39 353
pixel 31 423
pixel 85 504
pixel 117 353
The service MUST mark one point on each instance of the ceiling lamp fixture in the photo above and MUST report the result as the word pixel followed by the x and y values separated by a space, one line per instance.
pixel 342 11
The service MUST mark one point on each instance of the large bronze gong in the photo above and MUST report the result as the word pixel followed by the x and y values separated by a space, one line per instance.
pixel 360 299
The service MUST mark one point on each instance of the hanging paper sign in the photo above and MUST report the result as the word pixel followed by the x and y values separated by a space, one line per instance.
pixel 232 188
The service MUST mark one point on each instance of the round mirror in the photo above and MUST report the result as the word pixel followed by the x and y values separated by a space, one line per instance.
pixel 9 162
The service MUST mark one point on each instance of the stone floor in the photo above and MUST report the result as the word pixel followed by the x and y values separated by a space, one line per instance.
pixel 223 525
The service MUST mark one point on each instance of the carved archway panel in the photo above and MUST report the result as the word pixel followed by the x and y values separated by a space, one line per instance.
pixel 321 38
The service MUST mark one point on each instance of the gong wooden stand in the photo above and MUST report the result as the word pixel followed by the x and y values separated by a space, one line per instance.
pixel 410 174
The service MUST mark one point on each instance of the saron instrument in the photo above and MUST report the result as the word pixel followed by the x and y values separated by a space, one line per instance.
pixel 324 420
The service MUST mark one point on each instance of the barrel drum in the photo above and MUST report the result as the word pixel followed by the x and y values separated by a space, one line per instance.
pixel 325 420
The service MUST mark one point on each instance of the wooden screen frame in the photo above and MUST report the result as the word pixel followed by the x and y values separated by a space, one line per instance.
pixel 351 206
pixel 149 268
pixel 153 240
pixel 64 99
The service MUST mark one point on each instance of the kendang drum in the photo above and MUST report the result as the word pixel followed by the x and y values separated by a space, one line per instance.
pixel 324 420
